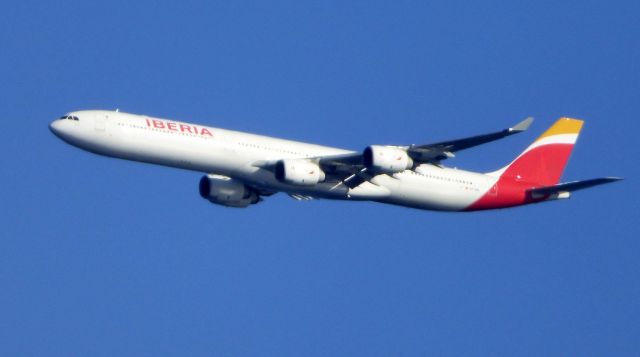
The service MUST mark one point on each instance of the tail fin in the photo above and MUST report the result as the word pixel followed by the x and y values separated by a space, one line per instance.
pixel 543 161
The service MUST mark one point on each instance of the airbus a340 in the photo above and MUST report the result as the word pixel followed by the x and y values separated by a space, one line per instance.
pixel 241 168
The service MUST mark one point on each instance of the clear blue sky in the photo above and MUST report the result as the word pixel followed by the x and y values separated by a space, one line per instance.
pixel 101 257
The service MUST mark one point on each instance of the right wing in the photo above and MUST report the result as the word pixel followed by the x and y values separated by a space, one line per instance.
pixel 350 168
pixel 445 149
pixel 425 153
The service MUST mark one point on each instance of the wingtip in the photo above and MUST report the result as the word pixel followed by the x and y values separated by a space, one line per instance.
pixel 523 125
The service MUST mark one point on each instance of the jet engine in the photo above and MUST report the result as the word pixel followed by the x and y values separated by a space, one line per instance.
pixel 299 172
pixel 386 159
pixel 226 191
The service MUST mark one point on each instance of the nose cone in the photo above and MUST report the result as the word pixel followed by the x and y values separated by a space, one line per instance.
pixel 55 127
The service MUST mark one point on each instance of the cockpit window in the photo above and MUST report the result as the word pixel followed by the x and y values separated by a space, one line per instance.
pixel 70 117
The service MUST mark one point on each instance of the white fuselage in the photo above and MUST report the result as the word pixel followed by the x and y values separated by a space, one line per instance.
pixel 235 154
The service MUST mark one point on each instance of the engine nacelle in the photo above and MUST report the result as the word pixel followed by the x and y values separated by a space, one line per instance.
pixel 386 159
pixel 226 191
pixel 299 172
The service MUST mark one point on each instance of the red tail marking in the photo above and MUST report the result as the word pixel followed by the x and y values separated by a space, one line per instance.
pixel 541 166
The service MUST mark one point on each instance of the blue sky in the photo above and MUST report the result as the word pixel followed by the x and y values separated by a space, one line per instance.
pixel 104 257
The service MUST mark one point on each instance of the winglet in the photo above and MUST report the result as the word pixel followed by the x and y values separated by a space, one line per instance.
pixel 522 126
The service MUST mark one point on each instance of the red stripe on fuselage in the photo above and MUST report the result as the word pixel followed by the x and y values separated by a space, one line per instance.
pixel 507 192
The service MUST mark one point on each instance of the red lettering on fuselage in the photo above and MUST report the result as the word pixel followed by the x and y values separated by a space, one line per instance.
pixel 158 124
pixel 183 128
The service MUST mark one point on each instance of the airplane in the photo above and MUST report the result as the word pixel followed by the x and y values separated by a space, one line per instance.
pixel 242 168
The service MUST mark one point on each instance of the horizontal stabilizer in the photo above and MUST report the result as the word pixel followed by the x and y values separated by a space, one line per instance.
pixel 571 186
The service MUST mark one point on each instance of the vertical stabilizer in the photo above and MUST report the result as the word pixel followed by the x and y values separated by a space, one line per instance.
pixel 543 162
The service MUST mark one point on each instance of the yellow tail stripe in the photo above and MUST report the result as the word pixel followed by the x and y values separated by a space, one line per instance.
pixel 563 126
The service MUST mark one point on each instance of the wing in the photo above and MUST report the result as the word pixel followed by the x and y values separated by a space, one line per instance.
pixel 426 153
pixel 350 169
pixel 445 149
